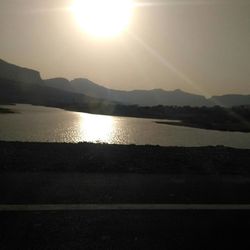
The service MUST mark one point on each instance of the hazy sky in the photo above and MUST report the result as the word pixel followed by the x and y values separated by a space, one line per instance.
pixel 198 46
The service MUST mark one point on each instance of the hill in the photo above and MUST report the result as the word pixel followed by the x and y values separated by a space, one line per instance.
pixel 152 97
pixel 231 100
pixel 16 73
pixel 39 94
pixel 81 86
pixel 138 97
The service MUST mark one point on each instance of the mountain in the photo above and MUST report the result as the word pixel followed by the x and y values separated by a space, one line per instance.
pixel 22 85
pixel 231 100
pixel 82 88
pixel 59 83
pixel 139 97
pixel 135 97
pixel 152 97
pixel 16 73
pixel 19 92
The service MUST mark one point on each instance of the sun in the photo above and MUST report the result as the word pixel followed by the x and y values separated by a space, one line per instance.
pixel 103 18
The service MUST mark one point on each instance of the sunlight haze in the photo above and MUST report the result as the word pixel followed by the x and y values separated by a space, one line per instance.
pixel 197 46
pixel 103 18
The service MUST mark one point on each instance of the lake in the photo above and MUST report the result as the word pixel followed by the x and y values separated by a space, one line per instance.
pixel 43 124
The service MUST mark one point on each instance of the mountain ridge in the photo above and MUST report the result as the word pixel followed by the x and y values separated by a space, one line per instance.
pixel 13 72
pixel 153 97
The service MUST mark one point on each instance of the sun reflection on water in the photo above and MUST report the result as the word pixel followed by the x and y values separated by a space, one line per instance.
pixel 96 128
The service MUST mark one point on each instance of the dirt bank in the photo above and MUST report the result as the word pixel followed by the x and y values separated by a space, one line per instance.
pixel 103 158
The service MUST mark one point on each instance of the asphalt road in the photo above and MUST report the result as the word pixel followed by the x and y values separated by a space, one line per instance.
pixel 123 211
pixel 79 188
pixel 125 229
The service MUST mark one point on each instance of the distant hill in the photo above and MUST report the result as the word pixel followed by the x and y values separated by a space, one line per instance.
pixel 59 83
pixel 152 97
pixel 140 97
pixel 231 100
pixel 135 97
pixel 86 87
pixel 39 94
pixel 22 85
pixel 16 73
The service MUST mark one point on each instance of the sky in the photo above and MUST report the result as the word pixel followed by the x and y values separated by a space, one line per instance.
pixel 199 46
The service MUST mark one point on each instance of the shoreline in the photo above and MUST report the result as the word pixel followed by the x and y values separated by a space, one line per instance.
pixel 108 158
pixel 199 126
pixel 192 120
pixel 85 173
pixel 7 111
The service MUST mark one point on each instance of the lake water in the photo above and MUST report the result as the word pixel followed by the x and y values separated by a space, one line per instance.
pixel 42 124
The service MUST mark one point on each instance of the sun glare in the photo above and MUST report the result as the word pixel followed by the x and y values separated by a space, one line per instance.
pixel 96 128
pixel 103 18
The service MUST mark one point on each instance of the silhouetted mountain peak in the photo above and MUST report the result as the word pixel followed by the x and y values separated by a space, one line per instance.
pixel 81 79
pixel 58 79
pixel 178 91
pixel 12 72
pixel 157 90
pixel 85 82
pixel 231 100
pixel 138 97
pixel 85 86
pixel 59 83
pixel 2 61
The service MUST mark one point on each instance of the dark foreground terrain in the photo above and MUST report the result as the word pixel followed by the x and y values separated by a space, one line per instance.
pixel 6 111
pixel 90 191
pixel 104 158
pixel 125 230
